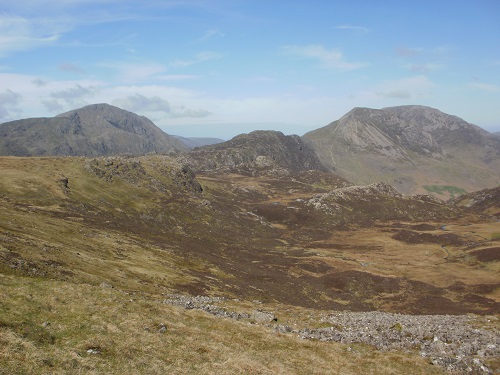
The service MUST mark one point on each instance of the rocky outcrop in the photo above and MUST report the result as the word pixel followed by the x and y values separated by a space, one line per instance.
pixel 485 201
pixel 255 153
pixel 377 202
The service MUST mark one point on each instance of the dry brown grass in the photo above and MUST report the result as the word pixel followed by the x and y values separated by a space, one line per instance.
pixel 49 327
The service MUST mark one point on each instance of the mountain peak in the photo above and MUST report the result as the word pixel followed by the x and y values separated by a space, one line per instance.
pixel 93 130
pixel 400 145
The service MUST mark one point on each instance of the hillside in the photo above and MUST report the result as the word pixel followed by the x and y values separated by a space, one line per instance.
pixel 138 238
pixel 414 148
pixel 94 130
pixel 485 202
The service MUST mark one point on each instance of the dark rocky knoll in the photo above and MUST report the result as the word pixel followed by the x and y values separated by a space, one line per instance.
pixel 486 201
pixel 94 130
pixel 409 147
pixel 270 151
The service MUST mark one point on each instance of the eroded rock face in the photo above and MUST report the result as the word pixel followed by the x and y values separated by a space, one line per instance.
pixel 408 146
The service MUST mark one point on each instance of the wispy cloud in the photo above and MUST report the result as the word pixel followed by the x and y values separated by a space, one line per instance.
pixel 210 34
pixel 425 67
pixel 8 102
pixel 328 59
pixel 134 71
pixel 141 103
pixel 175 77
pixel 71 68
pixel 199 58
pixel 405 88
pixel 18 33
pixel 408 51
pixel 354 28
pixel 485 87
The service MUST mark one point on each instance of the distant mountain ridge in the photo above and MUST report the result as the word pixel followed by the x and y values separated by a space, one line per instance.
pixel 192 142
pixel 94 130
pixel 410 147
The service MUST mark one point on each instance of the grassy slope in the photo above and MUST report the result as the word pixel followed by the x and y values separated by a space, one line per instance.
pixel 49 326
pixel 141 230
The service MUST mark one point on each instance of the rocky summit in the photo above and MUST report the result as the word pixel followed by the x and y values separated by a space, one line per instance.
pixel 415 148
pixel 257 152
pixel 94 130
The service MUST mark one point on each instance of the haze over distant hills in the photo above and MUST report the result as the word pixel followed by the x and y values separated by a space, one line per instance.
pixel 413 148
pixel 192 142
pixel 98 129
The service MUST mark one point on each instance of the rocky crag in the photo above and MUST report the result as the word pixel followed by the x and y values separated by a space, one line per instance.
pixel 257 152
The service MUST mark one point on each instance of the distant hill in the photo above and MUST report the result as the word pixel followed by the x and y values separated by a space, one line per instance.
pixel 417 149
pixel 258 151
pixel 94 130
pixel 192 142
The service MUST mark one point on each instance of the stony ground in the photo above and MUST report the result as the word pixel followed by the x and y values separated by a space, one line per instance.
pixel 451 341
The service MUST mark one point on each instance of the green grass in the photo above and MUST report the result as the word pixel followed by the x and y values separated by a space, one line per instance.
pixel 443 189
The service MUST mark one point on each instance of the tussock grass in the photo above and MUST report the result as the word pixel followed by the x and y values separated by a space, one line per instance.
pixel 63 328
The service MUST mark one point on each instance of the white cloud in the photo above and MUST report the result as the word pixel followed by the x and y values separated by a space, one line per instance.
pixel 74 94
pixel 175 77
pixel 9 101
pixel 405 88
pixel 18 33
pixel 425 67
pixel 134 72
pixel 409 51
pixel 485 87
pixel 210 34
pixel 143 104
pixel 329 59
pixel 199 58
pixel 350 27
pixel 71 68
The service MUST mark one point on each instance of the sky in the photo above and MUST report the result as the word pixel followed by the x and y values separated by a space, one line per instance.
pixel 218 68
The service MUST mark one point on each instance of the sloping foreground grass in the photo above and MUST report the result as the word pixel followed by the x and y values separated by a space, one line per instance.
pixel 55 327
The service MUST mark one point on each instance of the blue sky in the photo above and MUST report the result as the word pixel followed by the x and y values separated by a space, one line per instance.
pixel 222 67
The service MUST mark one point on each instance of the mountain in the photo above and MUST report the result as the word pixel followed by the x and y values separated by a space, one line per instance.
pixel 415 148
pixel 98 129
pixel 256 152
pixel 192 142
